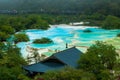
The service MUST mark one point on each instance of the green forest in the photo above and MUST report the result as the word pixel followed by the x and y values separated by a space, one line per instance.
pixel 105 7
pixel 20 15
pixel 98 12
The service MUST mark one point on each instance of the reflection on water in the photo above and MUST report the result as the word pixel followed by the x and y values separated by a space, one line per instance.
pixel 71 35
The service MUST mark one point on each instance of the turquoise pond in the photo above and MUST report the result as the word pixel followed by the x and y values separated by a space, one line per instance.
pixel 74 36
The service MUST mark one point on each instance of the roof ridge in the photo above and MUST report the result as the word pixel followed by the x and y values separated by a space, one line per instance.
pixel 63 50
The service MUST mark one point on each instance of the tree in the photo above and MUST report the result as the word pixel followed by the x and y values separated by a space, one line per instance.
pixel 7 29
pixel 36 22
pixel 111 22
pixel 18 23
pixel 98 58
pixel 20 37
pixel 43 41
pixel 2 46
pixel 4 36
pixel 11 63
pixel 118 35
pixel 87 31
pixel 67 73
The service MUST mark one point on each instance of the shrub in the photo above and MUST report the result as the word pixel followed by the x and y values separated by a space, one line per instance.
pixel 111 22
pixel 118 35
pixel 67 74
pixel 20 38
pixel 43 41
pixel 87 30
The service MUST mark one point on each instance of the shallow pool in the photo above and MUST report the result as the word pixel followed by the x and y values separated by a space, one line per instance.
pixel 73 36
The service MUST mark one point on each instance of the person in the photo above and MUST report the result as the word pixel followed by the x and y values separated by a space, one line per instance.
pixel 66 45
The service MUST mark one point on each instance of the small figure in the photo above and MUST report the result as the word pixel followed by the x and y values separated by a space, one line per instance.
pixel 66 45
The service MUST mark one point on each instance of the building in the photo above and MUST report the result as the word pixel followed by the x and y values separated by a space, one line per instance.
pixel 78 23
pixel 59 60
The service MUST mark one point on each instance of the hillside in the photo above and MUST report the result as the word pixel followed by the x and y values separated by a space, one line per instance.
pixel 105 7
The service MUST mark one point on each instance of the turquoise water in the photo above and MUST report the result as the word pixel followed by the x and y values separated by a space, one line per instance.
pixel 62 35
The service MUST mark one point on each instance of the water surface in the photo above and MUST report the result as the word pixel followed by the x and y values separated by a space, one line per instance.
pixel 73 36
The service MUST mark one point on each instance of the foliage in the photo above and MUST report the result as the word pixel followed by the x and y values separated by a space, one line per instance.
pixel 23 77
pixel 43 41
pixel 111 22
pixel 7 29
pixel 87 31
pixel 4 36
pixel 118 35
pixel 67 74
pixel 20 38
pixel 5 32
pixel 93 11
pixel 99 57
pixel 35 22
pixel 10 62
pixel 42 21
pixel 104 7
pixel 20 22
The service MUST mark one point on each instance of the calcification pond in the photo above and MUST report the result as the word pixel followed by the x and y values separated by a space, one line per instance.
pixel 70 35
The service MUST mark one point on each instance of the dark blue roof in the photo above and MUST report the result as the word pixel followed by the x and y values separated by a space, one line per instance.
pixel 43 67
pixel 38 67
pixel 69 56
